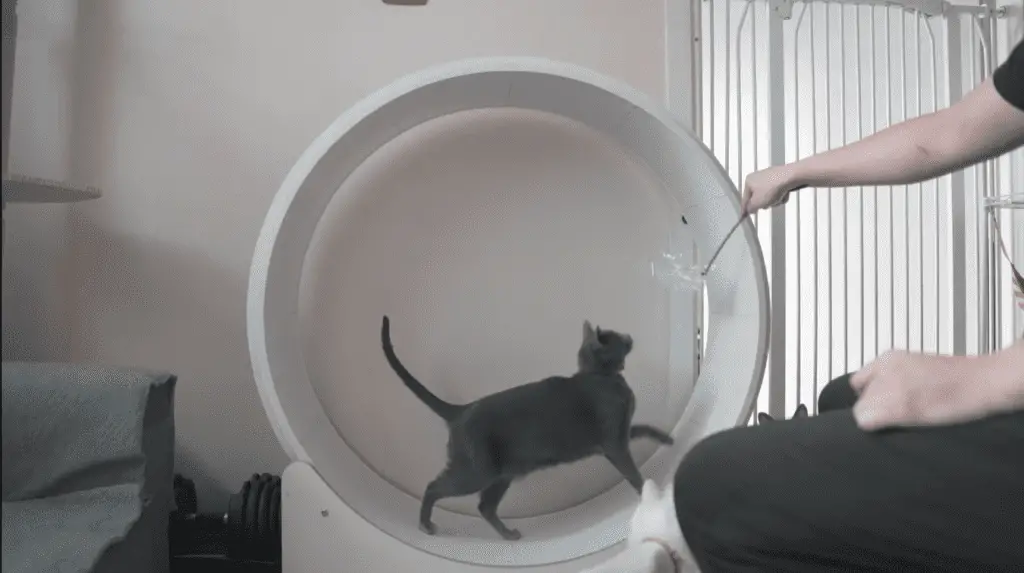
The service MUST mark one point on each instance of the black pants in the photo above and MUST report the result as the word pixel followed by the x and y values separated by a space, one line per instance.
pixel 819 494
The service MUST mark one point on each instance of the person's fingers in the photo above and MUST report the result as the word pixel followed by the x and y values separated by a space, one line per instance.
pixel 870 410
pixel 862 377
pixel 747 196
pixel 757 203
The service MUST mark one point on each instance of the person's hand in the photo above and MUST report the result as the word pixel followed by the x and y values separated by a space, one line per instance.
pixel 904 389
pixel 768 188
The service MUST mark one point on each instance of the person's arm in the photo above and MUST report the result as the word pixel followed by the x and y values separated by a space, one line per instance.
pixel 1003 372
pixel 980 126
pixel 910 389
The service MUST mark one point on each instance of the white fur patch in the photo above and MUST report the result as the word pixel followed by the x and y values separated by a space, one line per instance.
pixel 654 519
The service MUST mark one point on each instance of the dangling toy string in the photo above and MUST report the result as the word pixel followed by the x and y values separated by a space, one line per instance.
pixel 721 245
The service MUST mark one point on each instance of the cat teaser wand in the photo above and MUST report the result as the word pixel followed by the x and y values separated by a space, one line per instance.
pixel 672 272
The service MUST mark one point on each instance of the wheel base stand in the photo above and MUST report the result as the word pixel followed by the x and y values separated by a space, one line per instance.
pixel 321 534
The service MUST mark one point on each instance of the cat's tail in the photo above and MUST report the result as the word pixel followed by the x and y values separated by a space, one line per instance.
pixel 644 431
pixel 439 406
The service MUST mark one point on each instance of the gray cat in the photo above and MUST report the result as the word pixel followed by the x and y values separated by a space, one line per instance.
pixel 561 419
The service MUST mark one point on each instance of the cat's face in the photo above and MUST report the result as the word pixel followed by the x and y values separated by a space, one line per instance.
pixel 603 351
pixel 801 412
pixel 655 517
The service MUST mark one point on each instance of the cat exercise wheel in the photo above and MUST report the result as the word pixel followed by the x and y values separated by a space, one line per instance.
pixel 341 511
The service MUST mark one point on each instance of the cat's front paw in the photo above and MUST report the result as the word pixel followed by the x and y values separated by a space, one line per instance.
pixel 428 528
pixel 512 535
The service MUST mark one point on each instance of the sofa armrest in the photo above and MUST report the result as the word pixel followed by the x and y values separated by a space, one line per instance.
pixel 71 427
pixel 74 433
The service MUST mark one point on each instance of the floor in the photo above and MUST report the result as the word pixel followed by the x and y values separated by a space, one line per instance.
pixel 212 564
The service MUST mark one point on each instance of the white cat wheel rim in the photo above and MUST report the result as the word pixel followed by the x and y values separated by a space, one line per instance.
pixel 737 287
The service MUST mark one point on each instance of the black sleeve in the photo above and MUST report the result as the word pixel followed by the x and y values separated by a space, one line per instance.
pixel 1009 77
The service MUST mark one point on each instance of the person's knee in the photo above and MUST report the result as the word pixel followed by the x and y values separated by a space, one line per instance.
pixel 725 489
pixel 702 484
pixel 837 395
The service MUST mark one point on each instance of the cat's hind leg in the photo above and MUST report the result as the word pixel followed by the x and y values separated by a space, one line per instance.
pixel 622 459
pixel 490 497
pixel 449 483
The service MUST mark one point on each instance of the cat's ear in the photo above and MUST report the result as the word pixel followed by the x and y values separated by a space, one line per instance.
pixel 801 412
pixel 588 332
pixel 763 418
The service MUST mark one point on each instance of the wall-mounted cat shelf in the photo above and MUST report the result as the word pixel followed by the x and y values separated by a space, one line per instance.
pixel 21 189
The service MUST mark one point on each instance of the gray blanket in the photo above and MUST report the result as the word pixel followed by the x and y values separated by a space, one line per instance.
pixel 67 533
pixel 86 450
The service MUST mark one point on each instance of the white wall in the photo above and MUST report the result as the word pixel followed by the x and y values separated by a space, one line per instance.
pixel 188 115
